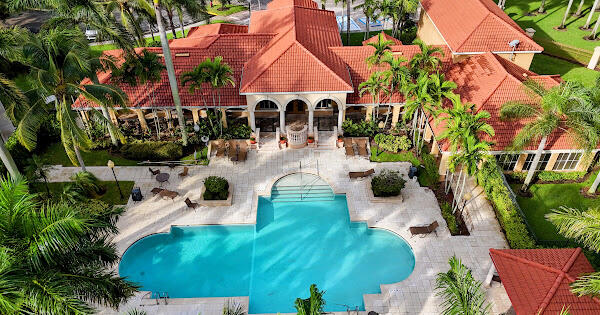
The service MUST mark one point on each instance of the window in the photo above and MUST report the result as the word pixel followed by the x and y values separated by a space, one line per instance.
pixel 507 161
pixel 541 164
pixel 567 161
pixel 266 105
pixel 324 104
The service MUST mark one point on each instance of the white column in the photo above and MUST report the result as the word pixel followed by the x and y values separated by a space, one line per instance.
pixel 594 61
pixel 341 112
pixel 311 118
pixel 490 275
pixel 252 120
pixel 282 120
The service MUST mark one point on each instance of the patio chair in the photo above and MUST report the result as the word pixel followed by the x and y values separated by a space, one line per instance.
pixel 185 172
pixel 156 190
pixel 423 230
pixel 190 204
pixel 349 147
pixel 243 153
pixel 361 144
pixel 154 172
pixel 361 174
pixel 220 148
pixel 169 194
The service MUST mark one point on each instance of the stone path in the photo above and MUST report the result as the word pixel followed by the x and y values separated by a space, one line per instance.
pixel 414 295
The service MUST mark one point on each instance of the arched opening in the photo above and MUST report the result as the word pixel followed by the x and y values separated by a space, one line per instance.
pixel 326 114
pixel 266 116
pixel 296 113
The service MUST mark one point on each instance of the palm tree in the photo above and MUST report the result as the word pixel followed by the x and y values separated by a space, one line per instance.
pixel 376 85
pixel 37 168
pixel 462 294
pixel 195 8
pixel 427 60
pixel 594 94
pixel 382 50
pixel 564 20
pixel 130 12
pixel 594 32
pixel 565 108
pixel 313 305
pixel 579 8
pixel 370 9
pixel 59 61
pixel 347 3
pixel 57 258
pixel 586 26
pixel 584 227
pixel 170 71
pixel 397 10
pixel 542 8
pixel 399 78
pixel 218 76
pixel 196 78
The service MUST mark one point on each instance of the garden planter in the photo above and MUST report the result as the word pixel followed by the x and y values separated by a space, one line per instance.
pixel 216 203
pixel 310 140
pixel 252 141
pixel 372 198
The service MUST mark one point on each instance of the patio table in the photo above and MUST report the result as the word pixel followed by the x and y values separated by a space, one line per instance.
pixel 162 177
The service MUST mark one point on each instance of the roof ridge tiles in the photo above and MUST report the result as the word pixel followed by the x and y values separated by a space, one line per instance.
pixel 526 261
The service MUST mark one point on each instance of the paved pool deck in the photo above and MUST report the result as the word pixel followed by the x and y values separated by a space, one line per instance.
pixel 414 295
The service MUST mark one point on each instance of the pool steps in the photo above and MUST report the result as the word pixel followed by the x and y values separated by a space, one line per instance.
pixel 302 193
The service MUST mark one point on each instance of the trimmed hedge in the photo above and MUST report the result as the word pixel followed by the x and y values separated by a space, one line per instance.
pixel 548 176
pixel 490 178
pixel 392 143
pixel 387 184
pixel 360 129
pixel 217 188
pixel 153 151
pixel 449 217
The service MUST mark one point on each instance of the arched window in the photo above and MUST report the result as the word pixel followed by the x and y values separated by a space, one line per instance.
pixel 324 104
pixel 266 105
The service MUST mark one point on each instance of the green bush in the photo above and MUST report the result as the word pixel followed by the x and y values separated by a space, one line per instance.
pixel 217 188
pixel 429 173
pixel 392 143
pixel 387 184
pixel 547 176
pixel 152 150
pixel 239 131
pixel 449 217
pixel 361 129
pixel 490 178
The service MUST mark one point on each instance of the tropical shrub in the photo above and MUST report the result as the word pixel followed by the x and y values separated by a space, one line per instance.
pixel 429 173
pixel 217 188
pixel 449 217
pixel 461 293
pixel 152 150
pixel 387 184
pixel 548 176
pixel 313 305
pixel 239 131
pixel 360 129
pixel 392 143
pixel 490 178
pixel 233 308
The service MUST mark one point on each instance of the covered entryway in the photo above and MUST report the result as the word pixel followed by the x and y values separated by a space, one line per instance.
pixel 267 116
pixel 326 115
pixel 296 113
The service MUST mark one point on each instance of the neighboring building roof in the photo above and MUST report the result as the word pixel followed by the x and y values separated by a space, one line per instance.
pixel 537 280
pixel 298 58
pixel 215 29
pixel 476 26
pixel 375 38
pixel 489 81
pixel 276 4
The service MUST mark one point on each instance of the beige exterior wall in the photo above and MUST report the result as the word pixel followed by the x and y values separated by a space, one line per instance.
pixel 283 99
pixel 427 32
pixel 520 162
pixel 522 60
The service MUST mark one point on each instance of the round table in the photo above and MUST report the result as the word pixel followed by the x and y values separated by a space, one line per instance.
pixel 162 177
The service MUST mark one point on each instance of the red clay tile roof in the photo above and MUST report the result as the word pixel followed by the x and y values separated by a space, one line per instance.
pixel 276 4
pixel 489 81
pixel 537 280
pixel 375 38
pixel 298 58
pixel 217 28
pixel 476 26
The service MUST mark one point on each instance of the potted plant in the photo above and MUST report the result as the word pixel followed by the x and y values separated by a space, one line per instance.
pixel 252 140
pixel 340 139
pixel 311 139
pixel 282 140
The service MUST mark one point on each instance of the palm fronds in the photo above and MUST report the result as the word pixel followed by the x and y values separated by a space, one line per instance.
pixel 462 294
pixel 583 226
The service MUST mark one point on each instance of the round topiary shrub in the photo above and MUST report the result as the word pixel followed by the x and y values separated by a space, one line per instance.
pixel 216 188
pixel 387 184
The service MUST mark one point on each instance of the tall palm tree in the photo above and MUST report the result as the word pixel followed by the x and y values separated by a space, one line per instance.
pixel 594 94
pixel 462 294
pixel 59 60
pixel 428 60
pixel 197 78
pixel 584 227
pixel 586 26
pixel 218 75
pixel 170 71
pixel 579 8
pixel 313 305
pixel 542 8
pixel 399 10
pixel 564 108
pixel 370 8
pixel 594 32
pixel 376 85
pixel 57 258
pixel 382 50
pixel 195 8
pixel 564 20
pixel 399 78
pixel 347 3
pixel 130 12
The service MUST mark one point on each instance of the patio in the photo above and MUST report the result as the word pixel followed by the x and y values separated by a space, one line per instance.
pixel 415 295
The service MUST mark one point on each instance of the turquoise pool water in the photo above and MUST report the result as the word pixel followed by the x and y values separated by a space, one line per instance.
pixel 293 245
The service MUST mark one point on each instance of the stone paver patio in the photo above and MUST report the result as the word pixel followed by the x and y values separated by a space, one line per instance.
pixel 414 295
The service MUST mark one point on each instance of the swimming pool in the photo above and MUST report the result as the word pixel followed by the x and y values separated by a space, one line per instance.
pixel 293 245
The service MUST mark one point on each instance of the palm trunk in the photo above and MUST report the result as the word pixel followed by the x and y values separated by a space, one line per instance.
pixel 180 14
pixel 348 21
pixel 595 30
pixel 589 19
pixel 47 186
pixel 170 17
pixel 579 8
pixel 414 126
pixel 564 20
pixel 171 73
pixel 594 186
pixel 367 32
pixel 542 8
pixel 113 138
pixel 79 158
pixel 8 161
pixel 534 164
pixel 387 115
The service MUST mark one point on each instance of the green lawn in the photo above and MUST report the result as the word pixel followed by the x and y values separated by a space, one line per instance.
pixel 149 40
pixel 229 9
pixel 111 196
pixel 543 64
pixel 551 196
pixel 394 157
pixel 55 155
pixel 544 23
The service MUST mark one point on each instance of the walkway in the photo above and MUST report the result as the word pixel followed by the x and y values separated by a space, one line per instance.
pixel 415 295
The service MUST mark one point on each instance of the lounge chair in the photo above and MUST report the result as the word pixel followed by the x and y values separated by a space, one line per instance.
pixel 349 147
pixel 154 172
pixel 424 229
pixel 156 190
pixel 361 144
pixel 361 174
pixel 190 204
pixel 220 148
pixel 243 154
pixel 169 194
pixel 185 172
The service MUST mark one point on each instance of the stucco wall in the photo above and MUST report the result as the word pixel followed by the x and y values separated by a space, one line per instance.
pixel 283 99
pixel 427 31
pixel 522 59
